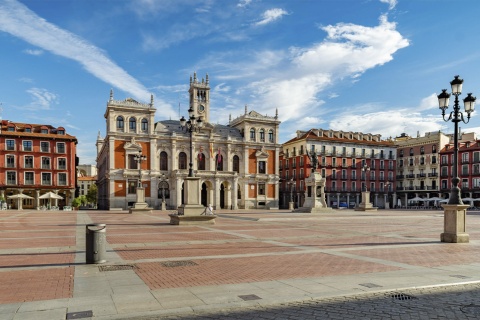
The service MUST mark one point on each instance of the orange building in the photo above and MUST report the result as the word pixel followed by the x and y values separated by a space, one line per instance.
pixel 237 163
pixel 36 159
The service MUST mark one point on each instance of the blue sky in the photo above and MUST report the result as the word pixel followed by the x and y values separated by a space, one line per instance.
pixel 354 65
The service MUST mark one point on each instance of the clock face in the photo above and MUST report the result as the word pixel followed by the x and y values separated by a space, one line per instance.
pixel 201 108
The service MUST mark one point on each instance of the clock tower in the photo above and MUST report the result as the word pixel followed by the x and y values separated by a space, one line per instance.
pixel 200 97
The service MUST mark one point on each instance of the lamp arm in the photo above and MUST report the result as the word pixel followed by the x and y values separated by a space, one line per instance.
pixel 449 117
pixel 463 119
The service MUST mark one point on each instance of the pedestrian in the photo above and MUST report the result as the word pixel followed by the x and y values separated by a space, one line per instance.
pixel 209 210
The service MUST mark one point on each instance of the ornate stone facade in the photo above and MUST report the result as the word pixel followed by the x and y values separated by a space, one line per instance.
pixel 237 163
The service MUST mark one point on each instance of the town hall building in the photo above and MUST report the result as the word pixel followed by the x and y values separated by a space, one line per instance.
pixel 237 163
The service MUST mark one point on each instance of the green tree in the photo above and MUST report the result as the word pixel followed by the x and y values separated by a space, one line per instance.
pixel 76 202
pixel 92 194
pixel 83 200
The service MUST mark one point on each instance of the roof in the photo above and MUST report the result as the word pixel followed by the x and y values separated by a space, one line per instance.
pixel 312 136
pixel 36 130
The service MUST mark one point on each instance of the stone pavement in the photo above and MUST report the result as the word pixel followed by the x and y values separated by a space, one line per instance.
pixel 265 265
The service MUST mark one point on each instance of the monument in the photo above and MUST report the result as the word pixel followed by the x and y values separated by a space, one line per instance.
pixel 140 205
pixel 315 195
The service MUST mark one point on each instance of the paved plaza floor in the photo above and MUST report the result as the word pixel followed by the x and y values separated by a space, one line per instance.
pixel 250 264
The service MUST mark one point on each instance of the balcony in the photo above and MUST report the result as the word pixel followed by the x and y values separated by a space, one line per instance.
pixel 421 175
pixel 420 188
pixel 410 176
pixel 433 175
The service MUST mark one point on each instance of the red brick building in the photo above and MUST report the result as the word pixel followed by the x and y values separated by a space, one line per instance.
pixel 36 159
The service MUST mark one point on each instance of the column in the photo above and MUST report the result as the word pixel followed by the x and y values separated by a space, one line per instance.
pixel 235 193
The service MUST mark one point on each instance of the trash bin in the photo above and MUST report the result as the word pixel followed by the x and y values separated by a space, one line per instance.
pixel 95 241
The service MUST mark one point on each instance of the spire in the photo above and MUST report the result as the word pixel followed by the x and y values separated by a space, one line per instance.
pixel 246 109
pixel 151 101
pixel 195 76
pixel 190 80
pixel 111 94
pixel 207 79
pixel 276 113
pixel 230 118
pixel 99 137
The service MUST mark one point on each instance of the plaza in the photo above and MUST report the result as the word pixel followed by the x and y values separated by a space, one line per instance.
pixel 246 260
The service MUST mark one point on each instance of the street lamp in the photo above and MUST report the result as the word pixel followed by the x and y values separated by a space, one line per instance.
pixel 162 184
pixel 366 170
pixel 456 116
pixel 191 125
pixel 291 183
pixel 139 157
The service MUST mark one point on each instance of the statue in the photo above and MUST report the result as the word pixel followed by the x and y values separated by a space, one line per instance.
pixel 312 155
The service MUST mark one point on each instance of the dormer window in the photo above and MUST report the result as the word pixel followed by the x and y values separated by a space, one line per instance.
pixel 28 129
pixel 62 132
pixel 11 129
pixel 44 131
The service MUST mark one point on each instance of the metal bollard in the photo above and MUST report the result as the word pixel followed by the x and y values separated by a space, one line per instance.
pixel 95 242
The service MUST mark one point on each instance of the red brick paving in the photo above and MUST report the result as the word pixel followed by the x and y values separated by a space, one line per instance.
pixel 139 237
pixel 36 259
pixel 253 269
pixel 33 285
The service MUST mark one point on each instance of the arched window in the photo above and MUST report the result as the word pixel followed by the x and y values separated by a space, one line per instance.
pixel 182 160
pixel 270 135
pixel 201 161
pixel 144 125
pixel 132 124
pixel 434 149
pixel 236 164
pixel 163 161
pixel 252 134
pixel 411 151
pixel 422 149
pixel 262 135
pixel 219 162
pixel 120 123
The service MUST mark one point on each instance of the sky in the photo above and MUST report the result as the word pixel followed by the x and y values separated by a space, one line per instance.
pixel 372 66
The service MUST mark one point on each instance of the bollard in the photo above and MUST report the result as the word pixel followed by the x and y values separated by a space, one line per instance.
pixel 95 241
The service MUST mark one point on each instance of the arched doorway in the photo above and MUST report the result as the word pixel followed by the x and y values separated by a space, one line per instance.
pixel 222 196
pixel 204 193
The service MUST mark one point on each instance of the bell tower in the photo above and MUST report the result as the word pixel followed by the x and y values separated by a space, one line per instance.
pixel 200 97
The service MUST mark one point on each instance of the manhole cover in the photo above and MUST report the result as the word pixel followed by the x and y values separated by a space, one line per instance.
pixel 471 309
pixel 80 315
pixel 370 285
pixel 116 267
pixel 173 264
pixel 249 297
pixel 402 296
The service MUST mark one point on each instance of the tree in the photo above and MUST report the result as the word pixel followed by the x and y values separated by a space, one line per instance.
pixel 92 194
pixel 83 200
pixel 76 202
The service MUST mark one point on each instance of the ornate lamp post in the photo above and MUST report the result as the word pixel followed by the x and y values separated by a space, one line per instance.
pixel 163 184
pixel 455 210
pixel 366 170
pixel 366 205
pixel 456 116
pixel 191 125
pixel 291 183
pixel 140 205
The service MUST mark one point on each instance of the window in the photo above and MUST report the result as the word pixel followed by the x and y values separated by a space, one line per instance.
pixel 44 146
pixel 120 123
pixel 46 178
pixel 262 135
pixel 464 183
pixel 465 157
pixel 262 167
pixel 11 177
pixel 219 162
pixel 270 135
pixel 422 150
pixel 61 132
pixel 476 183
pixel 45 163
pixel 10 145
pixel 476 156
pixel 132 162
pixel 62 164
pixel 132 124
pixel 444 159
pixel 29 178
pixel 60 147
pixel 236 164
pixel 10 161
pixel 252 134
pixel 44 131
pixel 144 125
pixel 28 162
pixel 163 161
pixel 434 149
pixel 27 145
pixel 261 189
pixel 182 160
pixel 62 179
pixel 411 151
pixel 132 186
pixel 11 129
pixel 465 169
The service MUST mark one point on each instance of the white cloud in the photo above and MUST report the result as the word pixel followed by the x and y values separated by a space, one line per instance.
pixel 391 3
pixel 243 3
pixel 42 99
pixel 21 22
pixel 430 102
pixel 33 52
pixel 271 15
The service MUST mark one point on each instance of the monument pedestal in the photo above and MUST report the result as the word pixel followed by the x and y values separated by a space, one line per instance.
pixel 291 206
pixel 163 206
pixel 454 224
pixel 366 205
pixel 191 211
pixel 140 206
pixel 315 196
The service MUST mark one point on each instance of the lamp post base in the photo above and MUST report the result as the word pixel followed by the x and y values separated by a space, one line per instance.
pixel 366 205
pixel 290 206
pixel 454 224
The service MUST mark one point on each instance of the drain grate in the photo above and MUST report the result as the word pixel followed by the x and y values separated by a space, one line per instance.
pixel 402 296
pixel 370 285
pixel 459 276
pixel 184 263
pixel 249 297
pixel 79 315
pixel 116 267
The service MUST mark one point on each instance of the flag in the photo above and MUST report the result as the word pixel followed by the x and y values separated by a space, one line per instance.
pixel 211 150
pixel 219 156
